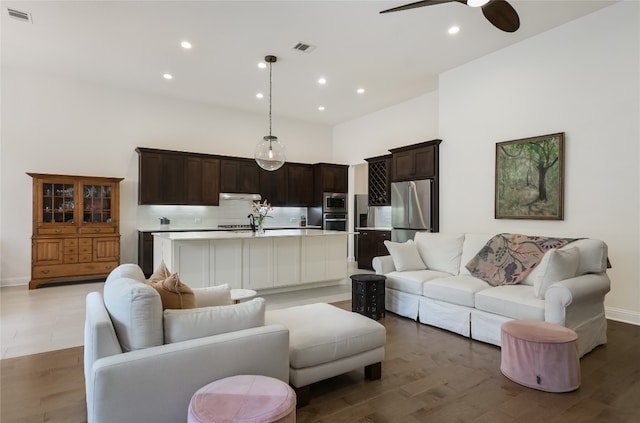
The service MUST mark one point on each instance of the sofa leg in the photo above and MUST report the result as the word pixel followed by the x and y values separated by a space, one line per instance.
pixel 303 395
pixel 373 371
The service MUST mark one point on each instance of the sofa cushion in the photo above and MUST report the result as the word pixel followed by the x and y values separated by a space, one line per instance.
pixel 440 251
pixel 213 295
pixel 322 333
pixel 411 281
pixel 593 255
pixel 174 293
pixel 555 266
pixel 405 255
pixel 470 247
pixel 180 325
pixel 161 273
pixel 459 290
pixel 135 309
pixel 514 301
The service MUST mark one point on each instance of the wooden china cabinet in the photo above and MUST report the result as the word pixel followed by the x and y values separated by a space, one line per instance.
pixel 75 228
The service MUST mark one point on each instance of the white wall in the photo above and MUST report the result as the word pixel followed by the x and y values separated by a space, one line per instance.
pixel 582 79
pixel 52 124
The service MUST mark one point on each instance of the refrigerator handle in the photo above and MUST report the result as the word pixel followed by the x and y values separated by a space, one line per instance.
pixel 411 186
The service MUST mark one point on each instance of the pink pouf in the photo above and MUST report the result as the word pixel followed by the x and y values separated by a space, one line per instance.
pixel 246 399
pixel 540 355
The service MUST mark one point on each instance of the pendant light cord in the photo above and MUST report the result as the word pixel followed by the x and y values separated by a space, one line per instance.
pixel 270 65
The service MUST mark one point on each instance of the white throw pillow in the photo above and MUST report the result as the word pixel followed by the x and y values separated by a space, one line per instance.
pixel 405 255
pixel 556 265
pixel 213 296
pixel 440 251
pixel 135 309
pixel 181 325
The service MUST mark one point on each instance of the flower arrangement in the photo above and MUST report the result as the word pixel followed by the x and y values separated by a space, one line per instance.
pixel 259 212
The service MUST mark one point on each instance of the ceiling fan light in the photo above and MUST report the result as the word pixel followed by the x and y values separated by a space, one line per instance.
pixel 270 153
pixel 477 3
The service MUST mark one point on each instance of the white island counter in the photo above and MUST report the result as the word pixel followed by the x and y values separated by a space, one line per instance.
pixel 244 259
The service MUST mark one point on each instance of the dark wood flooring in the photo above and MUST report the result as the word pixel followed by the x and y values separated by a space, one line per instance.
pixel 428 375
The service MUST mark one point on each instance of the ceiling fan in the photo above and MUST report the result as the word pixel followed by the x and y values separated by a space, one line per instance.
pixel 500 13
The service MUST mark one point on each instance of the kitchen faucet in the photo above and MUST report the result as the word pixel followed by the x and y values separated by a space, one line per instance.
pixel 252 222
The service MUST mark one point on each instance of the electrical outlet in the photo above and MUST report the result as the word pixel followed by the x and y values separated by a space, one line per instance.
pixel 198 220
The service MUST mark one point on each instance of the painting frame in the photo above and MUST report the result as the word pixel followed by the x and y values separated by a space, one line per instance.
pixel 519 166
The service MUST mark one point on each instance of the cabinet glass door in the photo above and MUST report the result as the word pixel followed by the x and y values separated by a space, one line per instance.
pixel 57 203
pixel 97 203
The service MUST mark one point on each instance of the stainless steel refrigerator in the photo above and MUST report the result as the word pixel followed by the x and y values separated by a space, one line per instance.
pixel 410 208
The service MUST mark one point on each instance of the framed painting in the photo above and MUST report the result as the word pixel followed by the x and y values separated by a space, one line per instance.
pixel 530 178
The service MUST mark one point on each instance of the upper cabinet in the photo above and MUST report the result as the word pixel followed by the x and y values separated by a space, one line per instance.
pixel 299 184
pixel 416 161
pixel 273 186
pixel 239 175
pixel 329 178
pixel 173 177
pixel 380 180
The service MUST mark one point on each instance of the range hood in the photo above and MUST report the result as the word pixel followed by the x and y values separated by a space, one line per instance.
pixel 239 196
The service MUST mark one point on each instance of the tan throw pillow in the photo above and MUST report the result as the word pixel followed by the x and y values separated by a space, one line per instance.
pixel 160 274
pixel 174 293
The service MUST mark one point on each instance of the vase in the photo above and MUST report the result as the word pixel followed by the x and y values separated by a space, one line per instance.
pixel 260 229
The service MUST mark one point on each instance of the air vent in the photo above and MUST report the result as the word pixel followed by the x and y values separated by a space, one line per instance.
pixel 23 16
pixel 303 47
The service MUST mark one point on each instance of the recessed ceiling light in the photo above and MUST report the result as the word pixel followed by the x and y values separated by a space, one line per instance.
pixel 167 76
pixel 360 90
pixel 454 30
pixel 322 81
pixel 321 108
pixel 262 65
pixel 186 44
pixel 260 95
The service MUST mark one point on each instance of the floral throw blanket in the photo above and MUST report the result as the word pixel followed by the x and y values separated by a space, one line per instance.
pixel 506 259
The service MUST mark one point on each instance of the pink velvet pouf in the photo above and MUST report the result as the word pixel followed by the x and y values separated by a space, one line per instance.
pixel 540 355
pixel 246 399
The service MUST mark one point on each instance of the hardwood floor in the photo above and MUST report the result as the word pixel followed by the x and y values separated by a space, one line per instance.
pixel 428 375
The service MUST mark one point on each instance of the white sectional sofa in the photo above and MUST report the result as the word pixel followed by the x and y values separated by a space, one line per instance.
pixel 445 295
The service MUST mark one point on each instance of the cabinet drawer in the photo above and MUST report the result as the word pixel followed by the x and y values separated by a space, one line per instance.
pixel 101 230
pixel 57 231
pixel 73 270
pixel 70 250
pixel 85 258
pixel 71 258
pixel 70 242
pixel 85 242
pixel 85 249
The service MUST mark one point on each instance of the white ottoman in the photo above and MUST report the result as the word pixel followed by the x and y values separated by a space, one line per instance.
pixel 326 341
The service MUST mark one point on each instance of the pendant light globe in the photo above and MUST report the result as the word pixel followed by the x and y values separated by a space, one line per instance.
pixel 270 152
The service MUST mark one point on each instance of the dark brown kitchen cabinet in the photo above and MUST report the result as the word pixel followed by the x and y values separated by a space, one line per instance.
pixel 239 175
pixel 161 177
pixel 299 184
pixel 273 186
pixel 329 178
pixel 202 176
pixel 370 245
pixel 379 180
pixel 145 252
pixel 418 161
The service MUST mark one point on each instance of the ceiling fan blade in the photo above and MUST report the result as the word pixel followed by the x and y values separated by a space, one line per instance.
pixel 420 4
pixel 502 15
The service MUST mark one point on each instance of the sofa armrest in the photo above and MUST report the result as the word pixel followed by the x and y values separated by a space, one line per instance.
pixel 568 302
pixel 383 265
pixel 156 384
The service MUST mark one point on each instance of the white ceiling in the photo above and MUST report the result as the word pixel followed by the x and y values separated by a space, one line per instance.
pixel 395 56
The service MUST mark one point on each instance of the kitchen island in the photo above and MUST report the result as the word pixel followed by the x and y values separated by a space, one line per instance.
pixel 278 259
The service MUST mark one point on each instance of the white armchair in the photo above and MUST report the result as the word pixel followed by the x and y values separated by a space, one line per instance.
pixel 155 383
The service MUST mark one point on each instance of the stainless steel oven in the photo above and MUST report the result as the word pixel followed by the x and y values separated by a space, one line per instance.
pixel 334 221
pixel 334 202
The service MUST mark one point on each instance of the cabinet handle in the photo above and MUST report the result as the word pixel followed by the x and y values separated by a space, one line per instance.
pixel 45 271
pixel 98 229
pixel 58 231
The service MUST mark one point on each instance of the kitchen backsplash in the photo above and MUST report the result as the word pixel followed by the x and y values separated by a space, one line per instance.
pixel 230 212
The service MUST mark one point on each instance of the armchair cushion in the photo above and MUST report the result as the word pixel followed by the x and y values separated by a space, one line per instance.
pixel 181 325
pixel 135 309
pixel 213 295
pixel 174 293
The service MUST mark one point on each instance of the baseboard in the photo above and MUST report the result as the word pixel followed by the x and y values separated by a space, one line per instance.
pixel 622 315
pixel 14 282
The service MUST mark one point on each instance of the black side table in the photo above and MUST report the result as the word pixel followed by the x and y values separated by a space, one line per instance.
pixel 367 295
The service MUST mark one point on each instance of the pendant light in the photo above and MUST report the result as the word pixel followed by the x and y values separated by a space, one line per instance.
pixel 270 152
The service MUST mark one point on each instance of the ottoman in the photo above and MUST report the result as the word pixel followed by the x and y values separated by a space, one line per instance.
pixel 540 355
pixel 243 399
pixel 326 341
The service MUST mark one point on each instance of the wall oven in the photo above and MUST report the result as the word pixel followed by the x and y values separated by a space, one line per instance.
pixel 334 202
pixel 334 221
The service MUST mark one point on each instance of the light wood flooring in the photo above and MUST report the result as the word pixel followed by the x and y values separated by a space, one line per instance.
pixel 428 375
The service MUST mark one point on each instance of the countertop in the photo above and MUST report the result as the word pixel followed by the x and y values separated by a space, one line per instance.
pixel 169 228
pixel 372 228
pixel 245 234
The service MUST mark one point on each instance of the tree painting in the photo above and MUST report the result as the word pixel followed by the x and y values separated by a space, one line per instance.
pixel 529 178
